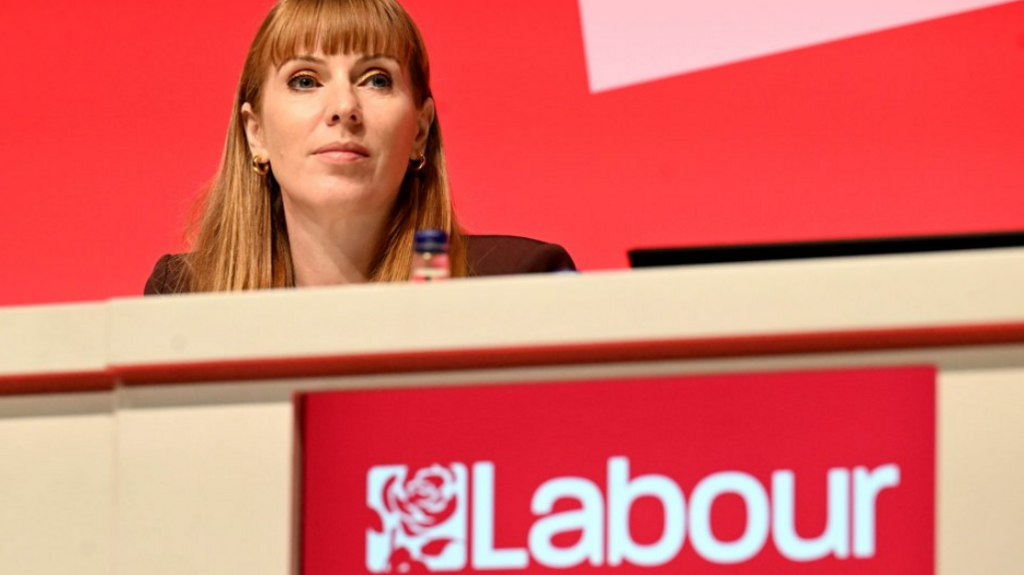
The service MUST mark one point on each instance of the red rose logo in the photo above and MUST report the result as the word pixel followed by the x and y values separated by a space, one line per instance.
pixel 423 502
pixel 402 562
pixel 419 521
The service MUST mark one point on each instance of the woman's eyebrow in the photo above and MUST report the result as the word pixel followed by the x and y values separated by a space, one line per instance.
pixel 369 57
pixel 321 61
pixel 304 58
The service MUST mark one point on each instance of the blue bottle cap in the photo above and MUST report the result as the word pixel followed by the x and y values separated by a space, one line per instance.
pixel 432 241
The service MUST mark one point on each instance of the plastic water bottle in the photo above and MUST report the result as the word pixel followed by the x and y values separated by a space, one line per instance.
pixel 430 256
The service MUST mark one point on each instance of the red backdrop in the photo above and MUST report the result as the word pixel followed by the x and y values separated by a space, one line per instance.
pixel 114 115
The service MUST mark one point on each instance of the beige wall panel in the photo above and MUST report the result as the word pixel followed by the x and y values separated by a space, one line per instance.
pixel 53 339
pixel 204 489
pixel 981 472
pixel 189 433
pixel 56 484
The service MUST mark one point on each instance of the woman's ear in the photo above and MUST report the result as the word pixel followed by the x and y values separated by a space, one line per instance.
pixel 253 131
pixel 424 123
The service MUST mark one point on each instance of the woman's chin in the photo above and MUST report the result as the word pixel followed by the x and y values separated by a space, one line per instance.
pixel 342 199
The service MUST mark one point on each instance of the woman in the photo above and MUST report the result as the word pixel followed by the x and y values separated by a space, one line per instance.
pixel 333 160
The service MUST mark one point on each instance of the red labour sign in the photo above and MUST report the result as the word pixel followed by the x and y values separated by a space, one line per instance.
pixel 811 472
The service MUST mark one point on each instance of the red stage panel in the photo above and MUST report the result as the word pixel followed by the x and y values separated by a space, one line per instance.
pixel 804 472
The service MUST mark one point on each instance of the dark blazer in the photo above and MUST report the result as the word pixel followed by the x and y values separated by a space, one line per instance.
pixel 487 255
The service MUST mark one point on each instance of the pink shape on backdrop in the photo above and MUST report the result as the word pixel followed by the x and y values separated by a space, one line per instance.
pixel 631 43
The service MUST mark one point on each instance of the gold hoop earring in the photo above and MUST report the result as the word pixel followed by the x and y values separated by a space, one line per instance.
pixel 260 165
pixel 419 163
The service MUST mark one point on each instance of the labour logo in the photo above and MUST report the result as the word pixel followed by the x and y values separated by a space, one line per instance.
pixel 422 519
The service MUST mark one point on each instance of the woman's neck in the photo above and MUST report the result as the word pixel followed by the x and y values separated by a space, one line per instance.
pixel 333 251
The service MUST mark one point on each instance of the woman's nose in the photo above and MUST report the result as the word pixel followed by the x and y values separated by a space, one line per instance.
pixel 344 106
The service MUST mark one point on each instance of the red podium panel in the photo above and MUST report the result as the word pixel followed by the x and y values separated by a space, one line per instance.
pixel 796 472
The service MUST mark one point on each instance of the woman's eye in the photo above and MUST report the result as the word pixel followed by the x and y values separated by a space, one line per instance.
pixel 378 80
pixel 303 82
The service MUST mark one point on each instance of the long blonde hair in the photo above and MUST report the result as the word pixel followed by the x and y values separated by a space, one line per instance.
pixel 240 240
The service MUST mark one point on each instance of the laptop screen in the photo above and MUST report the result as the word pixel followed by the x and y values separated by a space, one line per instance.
pixel 723 254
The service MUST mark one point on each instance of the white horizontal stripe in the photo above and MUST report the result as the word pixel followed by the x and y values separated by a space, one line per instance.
pixel 644 40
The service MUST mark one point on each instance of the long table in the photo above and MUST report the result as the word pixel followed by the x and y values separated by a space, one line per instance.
pixel 159 435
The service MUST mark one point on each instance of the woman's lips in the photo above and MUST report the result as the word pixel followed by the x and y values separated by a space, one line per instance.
pixel 341 157
pixel 342 152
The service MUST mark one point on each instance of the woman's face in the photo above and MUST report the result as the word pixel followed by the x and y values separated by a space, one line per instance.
pixel 339 131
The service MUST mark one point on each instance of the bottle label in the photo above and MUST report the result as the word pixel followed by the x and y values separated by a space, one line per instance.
pixel 429 274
